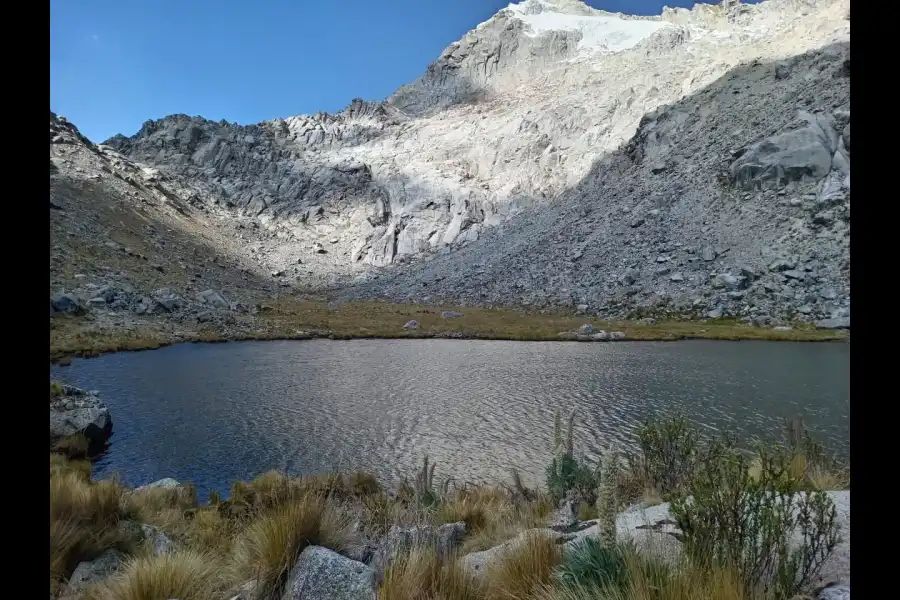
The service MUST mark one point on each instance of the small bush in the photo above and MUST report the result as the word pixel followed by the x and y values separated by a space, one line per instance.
pixel 746 523
pixel 421 574
pixel 269 546
pixel 669 455
pixel 184 575
pixel 566 474
pixel 526 567
pixel 592 564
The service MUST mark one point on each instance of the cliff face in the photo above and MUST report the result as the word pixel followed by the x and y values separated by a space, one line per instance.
pixel 558 154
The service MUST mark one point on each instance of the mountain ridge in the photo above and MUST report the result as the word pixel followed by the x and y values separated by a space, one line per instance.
pixel 510 121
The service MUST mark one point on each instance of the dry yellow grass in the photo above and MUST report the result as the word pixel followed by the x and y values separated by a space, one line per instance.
pixel 524 569
pixel 163 507
pixel 420 574
pixel 60 464
pixel 83 519
pixel 185 575
pixel 267 549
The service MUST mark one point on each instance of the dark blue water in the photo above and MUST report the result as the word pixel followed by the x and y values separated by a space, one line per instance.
pixel 211 414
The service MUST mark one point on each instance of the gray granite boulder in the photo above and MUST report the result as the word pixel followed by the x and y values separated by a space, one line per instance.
pixel 321 574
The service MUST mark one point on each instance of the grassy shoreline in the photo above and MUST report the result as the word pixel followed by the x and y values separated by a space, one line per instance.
pixel 302 320
pixel 256 535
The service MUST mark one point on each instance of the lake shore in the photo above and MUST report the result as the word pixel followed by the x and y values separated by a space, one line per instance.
pixel 87 336
pixel 593 531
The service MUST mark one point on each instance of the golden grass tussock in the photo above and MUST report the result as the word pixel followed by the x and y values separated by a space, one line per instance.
pixel 268 547
pixel 208 531
pixel 162 507
pixel 186 575
pixel 421 574
pixel 524 568
pixel 83 519
pixel 60 464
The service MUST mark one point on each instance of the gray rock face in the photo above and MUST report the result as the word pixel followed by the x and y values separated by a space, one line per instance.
pixel 79 412
pixel 803 152
pixel 93 571
pixel 321 574
pixel 411 324
pixel 561 161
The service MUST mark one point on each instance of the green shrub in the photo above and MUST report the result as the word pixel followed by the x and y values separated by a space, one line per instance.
pixel 669 454
pixel 746 523
pixel 592 564
pixel 567 474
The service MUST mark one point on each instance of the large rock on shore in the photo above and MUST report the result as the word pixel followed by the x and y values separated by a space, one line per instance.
pixel 76 411
pixel 321 574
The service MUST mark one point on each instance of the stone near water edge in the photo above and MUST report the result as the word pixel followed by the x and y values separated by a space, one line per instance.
pixel 615 336
pixel 411 324
pixel 167 484
pixel 586 329
pixel 601 336
pixel 78 412
pixel 322 574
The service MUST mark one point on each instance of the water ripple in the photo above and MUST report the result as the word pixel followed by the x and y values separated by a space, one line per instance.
pixel 214 414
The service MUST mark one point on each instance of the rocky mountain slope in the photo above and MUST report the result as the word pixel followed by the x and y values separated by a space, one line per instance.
pixel 696 162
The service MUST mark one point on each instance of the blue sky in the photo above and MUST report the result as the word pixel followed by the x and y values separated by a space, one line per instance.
pixel 117 63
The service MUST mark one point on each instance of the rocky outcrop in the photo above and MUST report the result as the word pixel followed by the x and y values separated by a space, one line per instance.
pixel 321 574
pixel 556 155
pixel 75 411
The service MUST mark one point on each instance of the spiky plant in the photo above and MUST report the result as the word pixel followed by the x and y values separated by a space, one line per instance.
pixel 424 483
pixel 606 500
